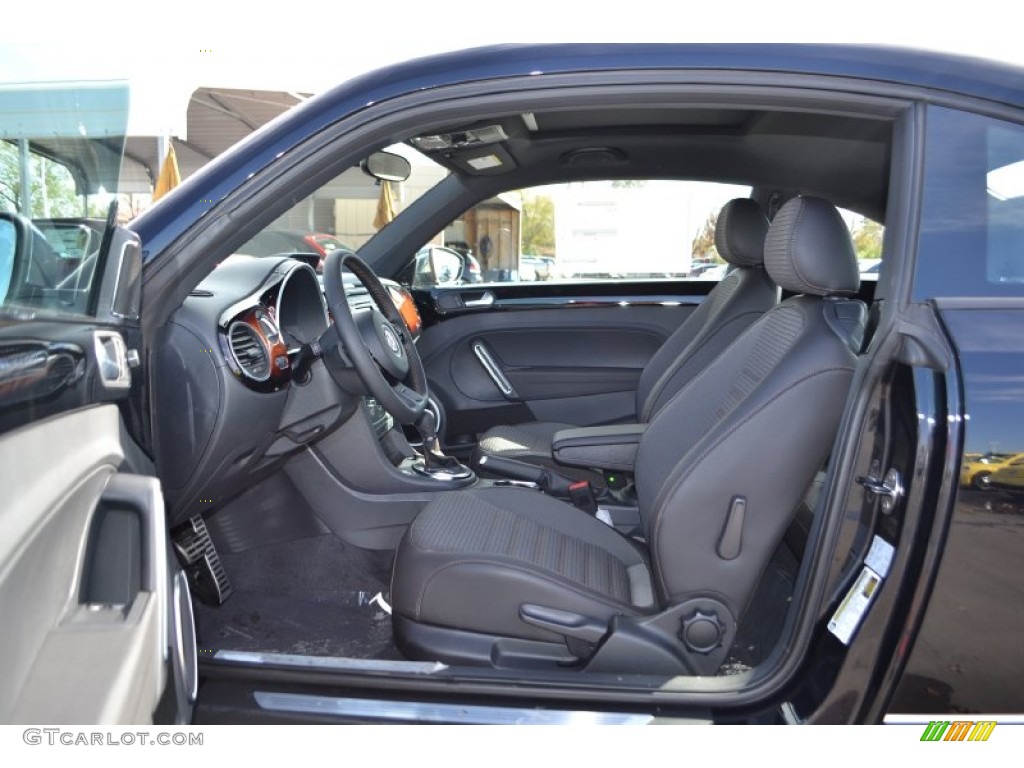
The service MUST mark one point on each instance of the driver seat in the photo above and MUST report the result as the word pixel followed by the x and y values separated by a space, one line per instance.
pixel 509 577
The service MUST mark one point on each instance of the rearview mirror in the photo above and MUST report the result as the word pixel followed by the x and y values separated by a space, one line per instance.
pixel 387 166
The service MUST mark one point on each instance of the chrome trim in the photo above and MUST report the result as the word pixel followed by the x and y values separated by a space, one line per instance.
pixel 433 407
pixel 112 363
pixel 514 483
pixel 442 475
pixel 584 302
pixel 484 356
pixel 186 640
pixel 789 715
pixel 117 282
pixel 252 301
pixel 330 662
pixel 486 300
pixel 430 712
pixel 260 340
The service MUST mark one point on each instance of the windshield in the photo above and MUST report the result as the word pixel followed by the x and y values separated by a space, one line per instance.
pixel 346 212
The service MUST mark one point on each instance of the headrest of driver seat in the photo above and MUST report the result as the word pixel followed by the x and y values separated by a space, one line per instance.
pixel 740 232
pixel 808 249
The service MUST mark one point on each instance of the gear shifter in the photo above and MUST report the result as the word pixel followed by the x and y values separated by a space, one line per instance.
pixel 435 463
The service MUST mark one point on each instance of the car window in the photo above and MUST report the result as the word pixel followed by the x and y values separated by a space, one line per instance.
pixel 60 160
pixel 867 236
pixel 972 233
pixel 594 230
pixel 346 212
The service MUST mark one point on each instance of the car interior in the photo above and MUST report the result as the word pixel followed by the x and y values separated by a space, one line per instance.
pixel 589 476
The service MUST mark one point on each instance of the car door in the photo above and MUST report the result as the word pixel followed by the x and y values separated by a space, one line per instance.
pixel 84 579
pixel 95 628
pixel 565 338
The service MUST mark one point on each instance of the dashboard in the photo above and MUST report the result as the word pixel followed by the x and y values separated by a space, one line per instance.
pixel 231 408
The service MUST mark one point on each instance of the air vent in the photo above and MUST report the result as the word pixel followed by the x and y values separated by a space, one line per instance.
pixel 249 351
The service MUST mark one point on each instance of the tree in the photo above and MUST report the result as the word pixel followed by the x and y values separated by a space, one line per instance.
pixel 867 239
pixel 52 186
pixel 538 225
pixel 704 242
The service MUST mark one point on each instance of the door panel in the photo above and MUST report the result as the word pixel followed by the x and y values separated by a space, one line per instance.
pixel 68 653
pixel 84 576
pixel 552 352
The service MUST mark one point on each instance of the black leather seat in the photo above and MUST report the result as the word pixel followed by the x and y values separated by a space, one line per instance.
pixel 508 576
pixel 729 309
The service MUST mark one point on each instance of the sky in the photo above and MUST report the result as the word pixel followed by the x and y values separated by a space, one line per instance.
pixel 168 50
pixel 308 45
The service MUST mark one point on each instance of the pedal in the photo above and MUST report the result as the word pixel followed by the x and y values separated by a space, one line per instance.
pixel 206 575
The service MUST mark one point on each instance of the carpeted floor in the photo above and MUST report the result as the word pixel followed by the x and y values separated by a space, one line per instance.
pixel 312 596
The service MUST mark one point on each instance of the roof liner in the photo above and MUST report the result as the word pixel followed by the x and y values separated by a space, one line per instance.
pixel 844 159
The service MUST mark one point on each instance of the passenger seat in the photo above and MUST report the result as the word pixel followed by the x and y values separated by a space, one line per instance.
pixel 730 308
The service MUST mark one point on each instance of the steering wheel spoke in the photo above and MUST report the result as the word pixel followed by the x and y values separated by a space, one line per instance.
pixel 377 342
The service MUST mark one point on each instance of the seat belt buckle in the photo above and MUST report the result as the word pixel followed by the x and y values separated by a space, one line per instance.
pixel 581 494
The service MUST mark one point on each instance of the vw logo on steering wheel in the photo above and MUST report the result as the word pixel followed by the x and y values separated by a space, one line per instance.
pixel 391 340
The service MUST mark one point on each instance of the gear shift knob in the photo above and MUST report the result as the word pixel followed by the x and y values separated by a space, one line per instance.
pixel 435 463
pixel 426 425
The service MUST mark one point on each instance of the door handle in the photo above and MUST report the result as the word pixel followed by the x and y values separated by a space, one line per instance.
pixel 483 354
pixel 486 300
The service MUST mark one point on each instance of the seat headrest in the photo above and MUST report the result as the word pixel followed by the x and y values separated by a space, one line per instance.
pixel 808 249
pixel 740 233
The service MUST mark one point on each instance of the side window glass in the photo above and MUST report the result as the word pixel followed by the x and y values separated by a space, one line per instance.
pixel 47 266
pixel 61 151
pixel 867 236
pixel 591 231
pixel 972 232
pixel 1004 187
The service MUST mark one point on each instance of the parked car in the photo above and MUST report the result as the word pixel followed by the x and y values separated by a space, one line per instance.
pixel 536 267
pixel 1008 476
pixel 281 241
pixel 975 470
pixel 213 514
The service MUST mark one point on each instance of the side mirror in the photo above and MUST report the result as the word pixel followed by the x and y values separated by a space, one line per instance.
pixel 446 266
pixel 387 166
pixel 435 266
pixel 12 242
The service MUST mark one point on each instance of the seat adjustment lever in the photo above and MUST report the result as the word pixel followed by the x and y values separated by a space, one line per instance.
pixel 581 633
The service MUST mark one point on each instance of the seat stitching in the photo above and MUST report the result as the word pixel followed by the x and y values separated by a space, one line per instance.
pixel 674 368
pixel 793 261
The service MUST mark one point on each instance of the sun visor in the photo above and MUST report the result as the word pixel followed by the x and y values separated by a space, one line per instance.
pixel 82 126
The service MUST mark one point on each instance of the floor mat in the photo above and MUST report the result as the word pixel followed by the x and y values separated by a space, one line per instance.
pixel 253 621
pixel 313 596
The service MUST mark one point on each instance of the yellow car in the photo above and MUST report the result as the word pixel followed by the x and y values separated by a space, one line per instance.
pixel 1009 476
pixel 976 468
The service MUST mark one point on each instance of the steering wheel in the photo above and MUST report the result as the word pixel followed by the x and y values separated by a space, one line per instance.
pixel 377 340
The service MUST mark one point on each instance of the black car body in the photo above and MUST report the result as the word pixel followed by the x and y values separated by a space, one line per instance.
pixel 929 145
